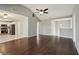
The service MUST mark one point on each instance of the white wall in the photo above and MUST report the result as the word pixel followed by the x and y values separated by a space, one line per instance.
pixel 21 27
pixel 76 26
pixel 17 28
pixel 53 29
pixel 32 27
pixel 64 23
pixel 24 27
pixel 67 33
pixel 64 28
pixel 45 27
pixel 50 27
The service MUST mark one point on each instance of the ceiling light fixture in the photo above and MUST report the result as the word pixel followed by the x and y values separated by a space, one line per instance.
pixel 5 16
pixel 40 13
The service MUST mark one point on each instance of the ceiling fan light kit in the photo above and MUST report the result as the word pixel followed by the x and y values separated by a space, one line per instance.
pixel 40 13
pixel 5 16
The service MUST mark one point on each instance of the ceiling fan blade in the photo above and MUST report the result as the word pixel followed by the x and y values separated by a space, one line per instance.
pixel 46 12
pixel 46 9
pixel 37 9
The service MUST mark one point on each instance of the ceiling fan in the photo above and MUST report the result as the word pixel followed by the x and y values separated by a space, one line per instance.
pixel 41 11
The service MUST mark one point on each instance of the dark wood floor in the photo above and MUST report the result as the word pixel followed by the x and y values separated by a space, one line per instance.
pixel 48 45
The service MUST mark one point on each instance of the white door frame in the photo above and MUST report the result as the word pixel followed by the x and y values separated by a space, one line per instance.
pixel 38 33
pixel 61 20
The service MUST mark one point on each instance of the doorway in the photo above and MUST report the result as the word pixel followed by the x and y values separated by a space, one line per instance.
pixel 63 27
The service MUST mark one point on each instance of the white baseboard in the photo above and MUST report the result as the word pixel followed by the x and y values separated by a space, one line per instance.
pixel 47 34
pixel 32 35
pixel 77 48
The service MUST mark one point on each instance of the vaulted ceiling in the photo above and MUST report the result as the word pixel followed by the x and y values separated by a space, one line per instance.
pixel 54 10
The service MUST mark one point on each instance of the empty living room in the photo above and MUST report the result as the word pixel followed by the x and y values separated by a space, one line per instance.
pixel 39 29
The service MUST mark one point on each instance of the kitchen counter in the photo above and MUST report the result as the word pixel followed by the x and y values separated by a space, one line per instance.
pixel 6 38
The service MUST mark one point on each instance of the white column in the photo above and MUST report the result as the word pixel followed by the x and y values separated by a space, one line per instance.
pixel 38 33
